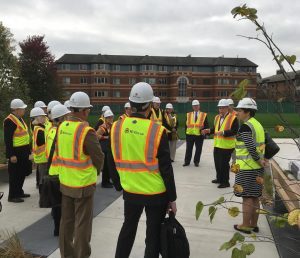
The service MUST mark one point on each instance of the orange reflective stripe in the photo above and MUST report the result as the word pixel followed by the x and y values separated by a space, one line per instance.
pixel 200 120
pixel 136 166
pixel 19 134
pixel 74 163
pixel 39 150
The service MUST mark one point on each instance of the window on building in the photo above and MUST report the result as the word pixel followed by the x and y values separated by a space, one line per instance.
pixel 223 81
pixel 162 81
pixel 236 69
pixel 66 80
pixel 235 82
pixel 162 94
pixel 132 81
pixel 149 80
pixel 100 94
pixel 116 80
pixel 83 80
pixel 206 81
pixel 226 69
pixel 149 67
pixel 182 86
pixel 65 67
pixel 207 94
pixel 194 81
pixel 116 94
pixel 116 68
pixel 193 94
pixel 132 68
pixel 222 93
pixel 82 67
pixel 101 80
pixel 162 68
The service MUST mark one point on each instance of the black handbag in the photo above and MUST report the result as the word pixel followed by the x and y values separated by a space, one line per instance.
pixel 50 195
pixel 271 148
pixel 173 240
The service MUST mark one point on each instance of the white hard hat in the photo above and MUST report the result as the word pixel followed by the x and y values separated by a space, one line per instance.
pixel 105 108
pixel 230 102
pixel 156 100
pixel 40 104
pixel 59 111
pixel 37 111
pixel 169 105
pixel 223 103
pixel 248 103
pixel 67 103
pixel 195 102
pixel 127 105
pixel 51 104
pixel 108 113
pixel 80 99
pixel 17 103
pixel 141 92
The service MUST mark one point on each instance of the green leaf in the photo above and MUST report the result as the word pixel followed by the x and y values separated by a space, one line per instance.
pixel 199 208
pixel 237 253
pixel 211 212
pixel 240 92
pixel 227 245
pixel 219 201
pixel 291 59
pixel 238 237
pixel 248 248
pixel 279 221
pixel 233 211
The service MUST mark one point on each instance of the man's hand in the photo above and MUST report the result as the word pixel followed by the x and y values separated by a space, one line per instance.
pixel 205 131
pixel 172 207
pixel 220 133
pixel 13 159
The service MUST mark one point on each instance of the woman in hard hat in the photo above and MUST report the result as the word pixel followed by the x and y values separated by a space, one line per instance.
pixel 128 112
pixel 101 118
pixel 103 135
pixel 16 138
pixel 171 125
pixel 250 163
pixel 38 142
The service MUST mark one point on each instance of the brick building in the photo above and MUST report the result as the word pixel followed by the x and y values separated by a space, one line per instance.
pixel 108 78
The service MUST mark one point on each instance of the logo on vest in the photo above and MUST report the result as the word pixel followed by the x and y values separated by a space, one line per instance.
pixel 63 132
pixel 127 130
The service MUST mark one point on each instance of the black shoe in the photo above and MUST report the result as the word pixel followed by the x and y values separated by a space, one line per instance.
pixel 16 200
pixel 172 160
pixel 107 185
pixel 255 229
pixel 25 195
pixel 185 164
pixel 241 230
pixel 224 185
pixel 215 181
pixel 196 164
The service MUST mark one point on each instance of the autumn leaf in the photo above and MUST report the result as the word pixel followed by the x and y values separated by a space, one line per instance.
pixel 238 188
pixel 279 128
pixel 293 217
pixel 259 180
pixel 235 168
pixel 233 211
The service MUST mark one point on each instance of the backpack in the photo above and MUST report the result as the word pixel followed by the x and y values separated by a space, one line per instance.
pixel 174 243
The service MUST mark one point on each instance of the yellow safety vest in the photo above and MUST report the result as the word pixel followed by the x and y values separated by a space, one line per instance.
pixel 76 168
pixel 39 152
pixel 54 167
pixel 170 122
pixel 134 144
pixel 192 127
pixel 221 141
pixel 243 157
pixel 48 125
pixel 154 118
pixel 21 135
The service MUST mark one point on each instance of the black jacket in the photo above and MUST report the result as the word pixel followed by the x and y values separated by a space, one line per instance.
pixel 166 171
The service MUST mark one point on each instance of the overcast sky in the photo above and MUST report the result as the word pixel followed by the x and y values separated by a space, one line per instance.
pixel 155 27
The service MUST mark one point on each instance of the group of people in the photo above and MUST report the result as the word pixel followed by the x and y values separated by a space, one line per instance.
pixel 134 153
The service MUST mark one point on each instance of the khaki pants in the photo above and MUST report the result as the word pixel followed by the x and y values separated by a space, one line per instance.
pixel 76 226
pixel 172 145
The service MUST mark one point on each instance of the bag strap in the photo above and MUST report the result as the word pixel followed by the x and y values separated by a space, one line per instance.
pixel 52 151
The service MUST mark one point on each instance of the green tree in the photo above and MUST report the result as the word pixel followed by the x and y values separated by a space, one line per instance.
pixel 38 69
pixel 11 84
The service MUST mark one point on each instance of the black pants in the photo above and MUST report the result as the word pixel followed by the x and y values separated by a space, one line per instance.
pixel 16 176
pixel 132 212
pixel 190 141
pixel 105 171
pixel 222 159
pixel 56 215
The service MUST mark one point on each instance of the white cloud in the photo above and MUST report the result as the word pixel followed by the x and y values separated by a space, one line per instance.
pixel 154 27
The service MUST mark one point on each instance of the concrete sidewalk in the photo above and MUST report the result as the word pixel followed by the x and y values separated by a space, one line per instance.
pixel 193 184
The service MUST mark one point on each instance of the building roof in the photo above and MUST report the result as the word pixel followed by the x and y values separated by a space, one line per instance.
pixel 279 77
pixel 154 60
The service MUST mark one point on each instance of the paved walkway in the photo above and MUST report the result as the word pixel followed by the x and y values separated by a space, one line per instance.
pixel 193 184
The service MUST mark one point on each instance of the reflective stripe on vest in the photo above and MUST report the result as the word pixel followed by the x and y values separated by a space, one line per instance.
pixel 172 124
pixel 123 116
pixel 76 168
pixel 54 168
pixel 48 125
pixel 39 152
pixel 134 144
pixel 154 118
pixel 221 141
pixel 21 135
pixel 192 127
pixel 243 157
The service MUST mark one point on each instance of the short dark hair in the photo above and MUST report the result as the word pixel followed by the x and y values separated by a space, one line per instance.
pixel 140 107
pixel 248 110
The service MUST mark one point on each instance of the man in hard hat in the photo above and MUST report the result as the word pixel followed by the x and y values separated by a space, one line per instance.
pixel 231 107
pixel 41 104
pixel 103 135
pixel 224 131
pixel 59 113
pixel 156 114
pixel 38 142
pixel 195 122
pixel 128 112
pixel 80 158
pixel 140 165
pixel 16 138
pixel 171 125
pixel 48 122
pixel 101 118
